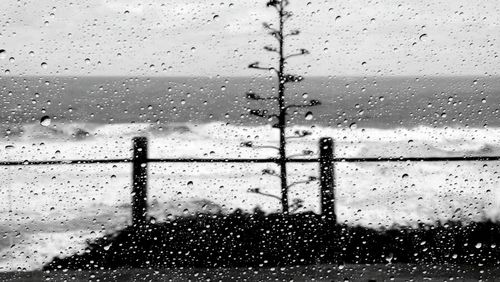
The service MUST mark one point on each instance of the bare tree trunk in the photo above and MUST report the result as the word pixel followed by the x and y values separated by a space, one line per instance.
pixel 282 116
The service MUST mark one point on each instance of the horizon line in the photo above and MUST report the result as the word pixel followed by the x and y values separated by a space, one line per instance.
pixel 250 76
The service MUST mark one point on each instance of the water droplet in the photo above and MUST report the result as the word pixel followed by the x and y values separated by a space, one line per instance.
pixel 309 116
pixel 190 183
pixel 405 176
pixel 3 54
pixel 45 121
pixel 12 59
pixel 44 65
pixel 216 17
pixel 9 147
pixel 423 37
pixel 87 61
pixel 353 125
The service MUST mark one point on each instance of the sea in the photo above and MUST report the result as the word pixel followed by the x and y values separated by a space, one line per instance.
pixel 52 210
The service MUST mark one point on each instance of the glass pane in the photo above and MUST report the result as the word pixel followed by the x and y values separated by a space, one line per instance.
pixel 249 140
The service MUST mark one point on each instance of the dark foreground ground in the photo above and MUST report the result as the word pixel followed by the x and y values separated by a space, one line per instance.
pixel 242 240
pixel 299 247
pixel 390 272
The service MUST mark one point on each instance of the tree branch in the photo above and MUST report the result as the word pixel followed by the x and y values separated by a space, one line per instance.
pixel 304 153
pixel 276 34
pixel 257 191
pixel 302 52
pixel 262 113
pixel 293 33
pixel 249 144
pixel 269 27
pixel 257 67
pixel 271 172
pixel 271 49
pixel 312 103
pixel 253 96
pixel 300 134
pixel 311 178
pixel 286 15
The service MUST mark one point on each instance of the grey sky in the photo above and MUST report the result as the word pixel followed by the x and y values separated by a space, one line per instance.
pixel 218 37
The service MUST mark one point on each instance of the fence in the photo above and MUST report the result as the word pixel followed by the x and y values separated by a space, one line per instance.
pixel 326 162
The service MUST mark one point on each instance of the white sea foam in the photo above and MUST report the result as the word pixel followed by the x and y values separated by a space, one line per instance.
pixel 51 210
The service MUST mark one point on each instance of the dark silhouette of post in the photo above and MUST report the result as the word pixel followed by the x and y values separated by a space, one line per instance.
pixel 327 179
pixel 139 181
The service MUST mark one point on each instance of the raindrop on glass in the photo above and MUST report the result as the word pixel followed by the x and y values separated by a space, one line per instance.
pixel 45 121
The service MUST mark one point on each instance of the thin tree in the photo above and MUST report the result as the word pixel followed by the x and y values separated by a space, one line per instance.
pixel 280 34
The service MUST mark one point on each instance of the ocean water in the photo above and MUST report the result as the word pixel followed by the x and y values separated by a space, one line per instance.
pixel 51 210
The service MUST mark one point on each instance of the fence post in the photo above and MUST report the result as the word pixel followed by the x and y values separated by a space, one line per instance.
pixel 327 179
pixel 139 181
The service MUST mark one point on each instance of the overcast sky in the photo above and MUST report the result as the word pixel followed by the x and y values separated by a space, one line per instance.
pixel 219 37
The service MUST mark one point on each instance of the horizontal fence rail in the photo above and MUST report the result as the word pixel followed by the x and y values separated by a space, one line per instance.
pixel 270 160
pixel 326 161
pixel 62 162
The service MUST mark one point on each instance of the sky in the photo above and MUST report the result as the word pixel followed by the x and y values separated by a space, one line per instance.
pixel 220 38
